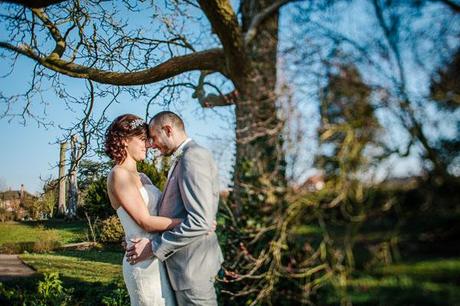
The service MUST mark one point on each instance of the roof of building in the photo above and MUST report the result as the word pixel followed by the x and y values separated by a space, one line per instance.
pixel 15 194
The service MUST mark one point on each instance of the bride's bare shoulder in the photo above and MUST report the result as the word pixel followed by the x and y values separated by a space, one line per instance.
pixel 119 172
pixel 118 175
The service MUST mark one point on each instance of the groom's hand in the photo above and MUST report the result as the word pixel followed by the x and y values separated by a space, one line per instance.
pixel 140 250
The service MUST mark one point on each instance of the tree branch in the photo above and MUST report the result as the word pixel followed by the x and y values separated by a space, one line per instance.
pixel 451 4
pixel 259 18
pixel 213 100
pixel 34 3
pixel 60 41
pixel 212 59
pixel 225 24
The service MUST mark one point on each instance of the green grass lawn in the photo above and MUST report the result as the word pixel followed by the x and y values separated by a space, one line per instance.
pixel 427 282
pixel 90 266
pixel 89 277
pixel 17 232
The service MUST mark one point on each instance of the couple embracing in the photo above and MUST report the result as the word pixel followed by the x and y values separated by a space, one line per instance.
pixel 173 254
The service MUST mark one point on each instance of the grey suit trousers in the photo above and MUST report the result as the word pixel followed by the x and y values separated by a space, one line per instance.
pixel 203 296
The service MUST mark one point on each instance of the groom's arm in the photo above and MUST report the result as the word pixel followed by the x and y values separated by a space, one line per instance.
pixel 196 189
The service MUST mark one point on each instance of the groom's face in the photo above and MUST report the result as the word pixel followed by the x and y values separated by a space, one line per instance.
pixel 162 138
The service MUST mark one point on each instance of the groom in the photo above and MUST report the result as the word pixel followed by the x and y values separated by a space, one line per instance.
pixel 192 254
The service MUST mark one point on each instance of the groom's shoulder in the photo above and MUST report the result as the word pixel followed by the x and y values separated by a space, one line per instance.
pixel 195 150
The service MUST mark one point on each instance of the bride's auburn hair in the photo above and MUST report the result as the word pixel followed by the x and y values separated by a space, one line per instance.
pixel 123 128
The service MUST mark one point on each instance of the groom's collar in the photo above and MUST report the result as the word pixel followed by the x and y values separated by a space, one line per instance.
pixel 180 149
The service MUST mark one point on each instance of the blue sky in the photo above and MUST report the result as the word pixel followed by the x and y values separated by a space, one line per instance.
pixel 30 152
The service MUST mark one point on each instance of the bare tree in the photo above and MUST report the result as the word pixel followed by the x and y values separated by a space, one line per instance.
pixel 397 46
pixel 172 47
pixel 89 40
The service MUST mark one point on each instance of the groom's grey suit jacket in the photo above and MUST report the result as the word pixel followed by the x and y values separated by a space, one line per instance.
pixel 192 254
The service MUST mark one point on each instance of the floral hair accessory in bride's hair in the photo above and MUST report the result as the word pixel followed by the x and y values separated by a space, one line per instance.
pixel 136 123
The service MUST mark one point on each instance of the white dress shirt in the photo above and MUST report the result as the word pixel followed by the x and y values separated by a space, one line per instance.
pixel 176 154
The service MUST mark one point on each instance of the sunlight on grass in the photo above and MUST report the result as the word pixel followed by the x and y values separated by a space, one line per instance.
pixel 429 282
pixel 306 230
pixel 85 266
pixel 16 232
pixel 439 268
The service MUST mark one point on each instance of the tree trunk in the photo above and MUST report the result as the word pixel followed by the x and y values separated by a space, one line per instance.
pixel 62 207
pixel 259 177
pixel 76 152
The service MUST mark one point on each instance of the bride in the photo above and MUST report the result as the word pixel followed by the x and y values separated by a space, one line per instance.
pixel 135 200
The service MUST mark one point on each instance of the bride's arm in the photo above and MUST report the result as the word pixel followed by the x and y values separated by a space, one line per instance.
pixel 127 194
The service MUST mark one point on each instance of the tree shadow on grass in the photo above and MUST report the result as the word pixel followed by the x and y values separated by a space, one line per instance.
pixel 83 293
pixel 110 255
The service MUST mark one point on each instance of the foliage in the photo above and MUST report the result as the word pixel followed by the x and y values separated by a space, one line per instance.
pixel 5 215
pixel 445 91
pixel 329 238
pixel 445 84
pixel 95 200
pixel 157 171
pixel 42 207
pixel 51 292
pixel 87 276
pixel 111 230
pixel 118 297
pixel 48 292
pixel 90 171
pixel 348 124
pixel 48 240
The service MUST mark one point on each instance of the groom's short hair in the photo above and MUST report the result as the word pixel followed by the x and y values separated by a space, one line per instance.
pixel 167 117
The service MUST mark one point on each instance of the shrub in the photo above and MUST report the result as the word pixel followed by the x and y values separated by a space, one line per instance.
pixel 5 215
pixel 95 201
pixel 48 240
pixel 16 248
pixel 51 292
pixel 117 297
pixel 111 230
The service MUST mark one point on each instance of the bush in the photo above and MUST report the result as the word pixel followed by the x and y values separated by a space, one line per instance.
pixel 96 203
pixel 94 198
pixel 51 292
pixel 5 215
pixel 111 230
pixel 48 240
pixel 118 297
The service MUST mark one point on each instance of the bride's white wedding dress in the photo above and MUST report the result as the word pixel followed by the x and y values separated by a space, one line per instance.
pixel 147 281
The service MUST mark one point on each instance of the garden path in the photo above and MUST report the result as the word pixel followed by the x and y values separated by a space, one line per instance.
pixel 11 267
